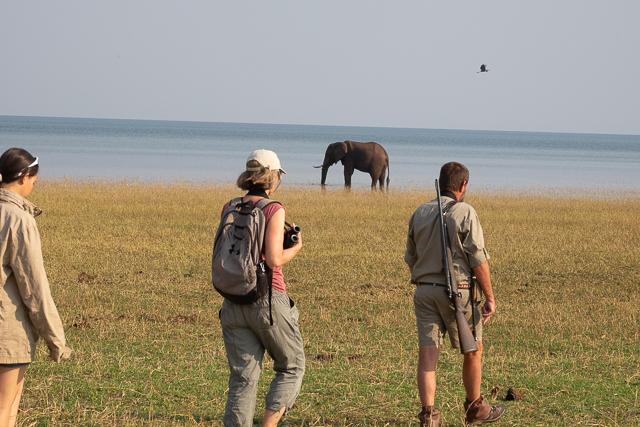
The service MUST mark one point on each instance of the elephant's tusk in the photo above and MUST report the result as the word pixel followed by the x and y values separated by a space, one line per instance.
pixel 317 167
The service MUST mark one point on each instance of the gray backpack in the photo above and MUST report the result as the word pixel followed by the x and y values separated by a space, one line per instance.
pixel 239 273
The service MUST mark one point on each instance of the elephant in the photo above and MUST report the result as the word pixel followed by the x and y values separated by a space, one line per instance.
pixel 364 156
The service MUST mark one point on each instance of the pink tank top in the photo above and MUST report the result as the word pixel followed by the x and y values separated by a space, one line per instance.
pixel 278 277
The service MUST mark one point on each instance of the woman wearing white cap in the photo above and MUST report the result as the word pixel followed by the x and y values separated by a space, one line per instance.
pixel 27 310
pixel 248 329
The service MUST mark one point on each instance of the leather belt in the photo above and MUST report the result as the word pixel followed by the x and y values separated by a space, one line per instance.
pixel 467 286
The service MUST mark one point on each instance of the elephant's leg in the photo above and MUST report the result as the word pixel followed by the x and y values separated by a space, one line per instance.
pixel 348 173
pixel 373 182
pixel 381 179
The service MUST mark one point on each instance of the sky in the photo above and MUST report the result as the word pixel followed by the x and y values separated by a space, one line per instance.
pixel 555 66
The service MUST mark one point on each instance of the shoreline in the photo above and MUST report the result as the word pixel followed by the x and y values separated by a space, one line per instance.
pixel 577 193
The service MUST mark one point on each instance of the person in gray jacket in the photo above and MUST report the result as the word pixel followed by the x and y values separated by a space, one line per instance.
pixel 27 310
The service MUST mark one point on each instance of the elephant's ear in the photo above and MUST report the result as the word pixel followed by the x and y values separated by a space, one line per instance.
pixel 339 151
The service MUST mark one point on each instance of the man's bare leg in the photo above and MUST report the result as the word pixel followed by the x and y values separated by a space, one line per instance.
pixel 472 373
pixel 271 418
pixel 427 360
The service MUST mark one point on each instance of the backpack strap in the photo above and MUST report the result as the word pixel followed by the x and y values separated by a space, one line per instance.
pixel 232 205
pixel 261 204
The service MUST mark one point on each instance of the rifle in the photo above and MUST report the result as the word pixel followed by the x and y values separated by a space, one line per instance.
pixel 466 338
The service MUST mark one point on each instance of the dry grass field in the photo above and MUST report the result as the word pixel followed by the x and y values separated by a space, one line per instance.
pixel 129 265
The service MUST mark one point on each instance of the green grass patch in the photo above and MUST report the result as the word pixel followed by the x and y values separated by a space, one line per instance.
pixel 143 320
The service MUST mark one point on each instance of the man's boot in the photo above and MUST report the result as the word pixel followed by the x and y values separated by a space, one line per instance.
pixel 429 417
pixel 480 412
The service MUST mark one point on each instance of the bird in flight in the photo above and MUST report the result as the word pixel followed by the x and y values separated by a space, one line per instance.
pixel 483 69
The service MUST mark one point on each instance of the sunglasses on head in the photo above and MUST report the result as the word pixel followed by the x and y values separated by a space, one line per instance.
pixel 35 162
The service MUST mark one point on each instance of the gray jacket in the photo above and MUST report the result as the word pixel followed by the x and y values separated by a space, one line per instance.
pixel 27 310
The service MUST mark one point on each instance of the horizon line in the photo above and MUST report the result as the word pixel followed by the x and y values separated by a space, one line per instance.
pixel 312 125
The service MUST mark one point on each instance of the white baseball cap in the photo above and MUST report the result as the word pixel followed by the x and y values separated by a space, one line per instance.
pixel 267 159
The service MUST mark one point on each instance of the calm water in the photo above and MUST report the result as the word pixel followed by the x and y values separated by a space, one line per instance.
pixel 166 150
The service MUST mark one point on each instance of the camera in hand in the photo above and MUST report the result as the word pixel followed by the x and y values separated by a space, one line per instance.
pixel 291 237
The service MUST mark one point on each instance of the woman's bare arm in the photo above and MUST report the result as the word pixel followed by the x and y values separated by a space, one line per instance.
pixel 275 256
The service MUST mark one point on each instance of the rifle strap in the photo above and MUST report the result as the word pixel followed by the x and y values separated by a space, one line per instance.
pixel 472 287
pixel 449 205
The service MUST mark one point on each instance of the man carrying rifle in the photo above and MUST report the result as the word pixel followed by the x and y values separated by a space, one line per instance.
pixel 442 293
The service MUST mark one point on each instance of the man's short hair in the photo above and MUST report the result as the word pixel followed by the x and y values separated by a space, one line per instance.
pixel 452 175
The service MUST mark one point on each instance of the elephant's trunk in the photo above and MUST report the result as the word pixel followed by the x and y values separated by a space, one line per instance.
pixel 325 168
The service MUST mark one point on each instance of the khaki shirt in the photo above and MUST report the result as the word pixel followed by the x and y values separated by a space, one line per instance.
pixel 27 310
pixel 424 242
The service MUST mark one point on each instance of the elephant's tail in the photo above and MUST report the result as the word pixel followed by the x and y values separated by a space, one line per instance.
pixel 388 173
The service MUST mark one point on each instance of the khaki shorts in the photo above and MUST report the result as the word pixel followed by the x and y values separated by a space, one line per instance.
pixel 435 315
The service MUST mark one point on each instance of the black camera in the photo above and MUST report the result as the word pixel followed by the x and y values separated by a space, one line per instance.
pixel 290 235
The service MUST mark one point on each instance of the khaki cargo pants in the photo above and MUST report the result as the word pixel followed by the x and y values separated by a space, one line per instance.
pixel 247 334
